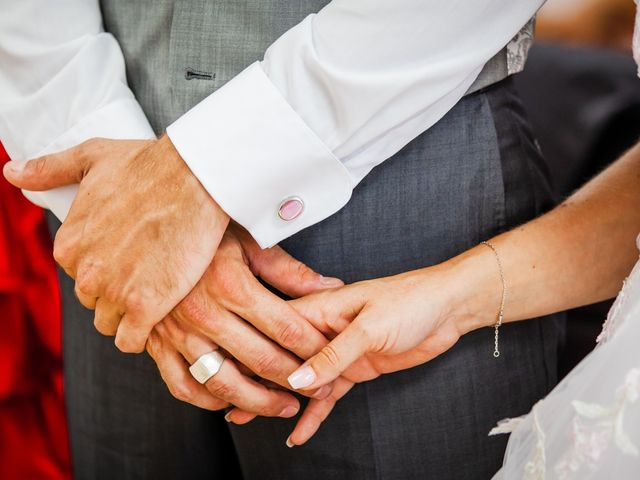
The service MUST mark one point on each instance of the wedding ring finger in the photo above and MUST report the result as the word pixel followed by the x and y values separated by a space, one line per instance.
pixel 229 384
pixel 207 366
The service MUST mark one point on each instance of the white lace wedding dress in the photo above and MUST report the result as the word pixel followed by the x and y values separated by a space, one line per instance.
pixel 588 427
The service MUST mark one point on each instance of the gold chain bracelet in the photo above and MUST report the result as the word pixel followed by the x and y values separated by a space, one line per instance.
pixel 496 351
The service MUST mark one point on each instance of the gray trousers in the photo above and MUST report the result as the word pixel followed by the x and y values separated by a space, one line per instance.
pixel 476 173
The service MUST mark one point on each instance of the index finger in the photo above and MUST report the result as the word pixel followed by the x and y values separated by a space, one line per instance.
pixel 317 412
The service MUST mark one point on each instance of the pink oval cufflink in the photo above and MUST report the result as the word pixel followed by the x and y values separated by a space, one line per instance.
pixel 290 208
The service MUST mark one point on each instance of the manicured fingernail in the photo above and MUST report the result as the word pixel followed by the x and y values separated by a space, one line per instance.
pixel 227 417
pixel 330 282
pixel 301 378
pixel 322 392
pixel 16 167
pixel 288 412
pixel 290 443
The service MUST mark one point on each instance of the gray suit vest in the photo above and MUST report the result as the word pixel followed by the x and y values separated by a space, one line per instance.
pixel 179 51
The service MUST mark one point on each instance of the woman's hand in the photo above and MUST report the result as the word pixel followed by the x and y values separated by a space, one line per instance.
pixel 382 326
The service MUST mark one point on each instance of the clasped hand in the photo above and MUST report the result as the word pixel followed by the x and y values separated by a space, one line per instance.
pixel 140 240
pixel 158 260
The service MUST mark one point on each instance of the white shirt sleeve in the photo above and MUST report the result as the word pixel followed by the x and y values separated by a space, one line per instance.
pixel 62 81
pixel 335 96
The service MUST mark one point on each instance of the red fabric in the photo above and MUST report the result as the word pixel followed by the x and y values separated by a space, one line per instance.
pixel 33 431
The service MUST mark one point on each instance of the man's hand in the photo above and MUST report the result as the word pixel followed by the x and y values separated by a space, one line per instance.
pixel 214 314
pixel 140 233
pixel 174 345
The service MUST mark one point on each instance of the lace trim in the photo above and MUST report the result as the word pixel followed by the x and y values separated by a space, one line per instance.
pixel 518 48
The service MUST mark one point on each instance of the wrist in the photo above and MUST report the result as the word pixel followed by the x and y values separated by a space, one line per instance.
pixel 476 289
pixel 185 177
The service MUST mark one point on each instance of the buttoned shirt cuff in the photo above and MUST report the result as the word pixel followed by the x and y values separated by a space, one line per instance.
pixel 254 154
pixel 121 119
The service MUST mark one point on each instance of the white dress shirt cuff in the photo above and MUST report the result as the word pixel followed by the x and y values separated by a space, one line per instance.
pixel 254 154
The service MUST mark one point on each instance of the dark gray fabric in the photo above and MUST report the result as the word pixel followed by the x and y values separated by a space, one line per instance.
pixel 472 175
pixel 450 188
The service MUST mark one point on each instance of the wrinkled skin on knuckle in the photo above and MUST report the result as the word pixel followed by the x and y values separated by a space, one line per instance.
pixel 221 390
pixel 334 322
pixel 172 330
pixel 290 335
pixel 230 284
pixel 138 300
pixel 133 302
pixel 63 250
pixel 374 339
pixel 330 356
pixel 267 366
pixel 268 408
pixel 203 313
pixel 325 314
pixel 195 309
pixel 37 167
pixel 88 278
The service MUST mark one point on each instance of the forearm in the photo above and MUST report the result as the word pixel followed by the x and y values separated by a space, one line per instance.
pixel 577 254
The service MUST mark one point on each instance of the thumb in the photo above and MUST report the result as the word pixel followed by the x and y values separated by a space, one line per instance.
pixel 46 172
pixel 290 276
pixel 332 360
